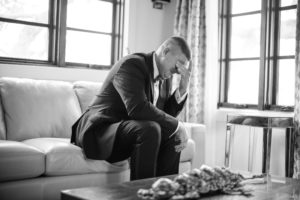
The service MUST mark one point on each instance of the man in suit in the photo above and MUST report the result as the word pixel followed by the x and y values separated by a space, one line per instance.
pixel 133 115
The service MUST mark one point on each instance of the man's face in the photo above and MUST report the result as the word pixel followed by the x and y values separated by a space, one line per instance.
pixel 170 63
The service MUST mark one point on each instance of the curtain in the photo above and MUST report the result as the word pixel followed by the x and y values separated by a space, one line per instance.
pixel 297 100
pixel 190 24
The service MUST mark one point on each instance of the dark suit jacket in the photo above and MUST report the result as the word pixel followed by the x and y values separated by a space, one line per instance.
pixel 126 94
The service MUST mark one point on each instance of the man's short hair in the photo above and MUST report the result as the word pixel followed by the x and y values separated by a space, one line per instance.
pixel 182 44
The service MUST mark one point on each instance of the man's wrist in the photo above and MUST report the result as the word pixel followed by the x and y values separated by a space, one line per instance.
pixel 175 130
pixel 179 97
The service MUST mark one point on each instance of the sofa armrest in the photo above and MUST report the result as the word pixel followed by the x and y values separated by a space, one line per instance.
pixel 196 132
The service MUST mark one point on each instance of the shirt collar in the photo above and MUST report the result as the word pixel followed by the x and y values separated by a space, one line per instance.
pixel 155 69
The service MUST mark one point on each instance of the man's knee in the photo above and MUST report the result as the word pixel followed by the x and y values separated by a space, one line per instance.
pixel 152 126
pixel 151 130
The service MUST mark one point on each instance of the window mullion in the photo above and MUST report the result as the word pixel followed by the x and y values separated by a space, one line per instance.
pixel 225 49
pixel 227 6
pixel 274 75
pixel 263 53
pixel 16 21
pixel 221 44
pixel 225 42
pixel 220 47
pixel 114 19
pixel 52 31
pixel 88 31
pixel 62 26
pixel 120 30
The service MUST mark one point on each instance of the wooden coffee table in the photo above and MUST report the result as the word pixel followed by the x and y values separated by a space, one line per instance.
pixel 285 189
pixel 122 191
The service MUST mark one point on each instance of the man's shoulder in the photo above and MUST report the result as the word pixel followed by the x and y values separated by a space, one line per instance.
pixel 140 57
pixel 136 63
pixel 137 59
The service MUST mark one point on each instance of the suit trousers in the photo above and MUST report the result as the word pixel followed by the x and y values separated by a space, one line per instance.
pixel 151 153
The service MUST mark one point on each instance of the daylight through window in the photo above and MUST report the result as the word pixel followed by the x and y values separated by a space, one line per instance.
pixel 84 33
pixel 257 52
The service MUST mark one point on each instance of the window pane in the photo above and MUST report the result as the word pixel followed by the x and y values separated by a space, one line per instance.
pixel 245 37
pixel 29 10
pixel 286 85
pixel 91 48
pixel 90 14
pixel 23 41
pixel 243 82
pixel 240 6
pixel 288 2
pixel 287 32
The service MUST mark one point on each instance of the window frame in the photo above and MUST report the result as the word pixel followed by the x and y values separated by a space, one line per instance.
pixel 269 55
pixel 57 36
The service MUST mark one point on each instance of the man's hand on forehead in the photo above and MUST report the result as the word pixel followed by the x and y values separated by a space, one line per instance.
pixel 182 68
pixel 184 64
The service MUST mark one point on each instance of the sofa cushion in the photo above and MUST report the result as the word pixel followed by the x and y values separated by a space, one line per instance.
pixel 20 161
pixel 38 108
pixel 187 154
pixel 86 91
pixel 64 158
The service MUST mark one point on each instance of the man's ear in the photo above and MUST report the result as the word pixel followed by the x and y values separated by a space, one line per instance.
pixel 166 51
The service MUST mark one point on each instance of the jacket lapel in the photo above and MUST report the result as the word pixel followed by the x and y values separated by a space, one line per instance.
pixel 149 63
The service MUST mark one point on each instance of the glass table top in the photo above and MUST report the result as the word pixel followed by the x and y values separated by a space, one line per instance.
pixel 260 121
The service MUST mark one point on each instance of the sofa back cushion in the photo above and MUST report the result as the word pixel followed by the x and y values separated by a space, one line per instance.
pixel 2 124
pixel 38 108
pixel 86 92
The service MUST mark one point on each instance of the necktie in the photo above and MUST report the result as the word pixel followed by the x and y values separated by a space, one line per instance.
pixel 161 97
pixel 156 92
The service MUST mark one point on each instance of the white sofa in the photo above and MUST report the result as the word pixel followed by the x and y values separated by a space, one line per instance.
pixel 37 160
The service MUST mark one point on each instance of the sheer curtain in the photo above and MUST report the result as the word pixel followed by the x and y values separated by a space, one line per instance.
pixel 297 100
pixel 190 24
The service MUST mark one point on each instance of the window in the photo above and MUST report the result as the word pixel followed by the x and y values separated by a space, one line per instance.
pixel 24 29
pixel 84 33
pixel 257 52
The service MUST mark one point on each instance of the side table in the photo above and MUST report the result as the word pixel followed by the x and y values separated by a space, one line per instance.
pixel 267 123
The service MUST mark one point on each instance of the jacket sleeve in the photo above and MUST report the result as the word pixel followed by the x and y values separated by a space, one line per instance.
pixel 172 107
pixel 130 82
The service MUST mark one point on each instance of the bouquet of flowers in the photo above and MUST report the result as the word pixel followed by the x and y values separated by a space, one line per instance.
pixel 196 182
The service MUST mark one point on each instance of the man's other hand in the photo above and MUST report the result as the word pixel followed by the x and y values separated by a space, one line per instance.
pixel 181 136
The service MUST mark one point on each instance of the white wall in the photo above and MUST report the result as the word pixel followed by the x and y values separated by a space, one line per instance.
pixel 51 73
pixel 147 28
pixel 211 80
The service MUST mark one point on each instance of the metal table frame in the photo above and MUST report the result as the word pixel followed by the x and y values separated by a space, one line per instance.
pixel 267 123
